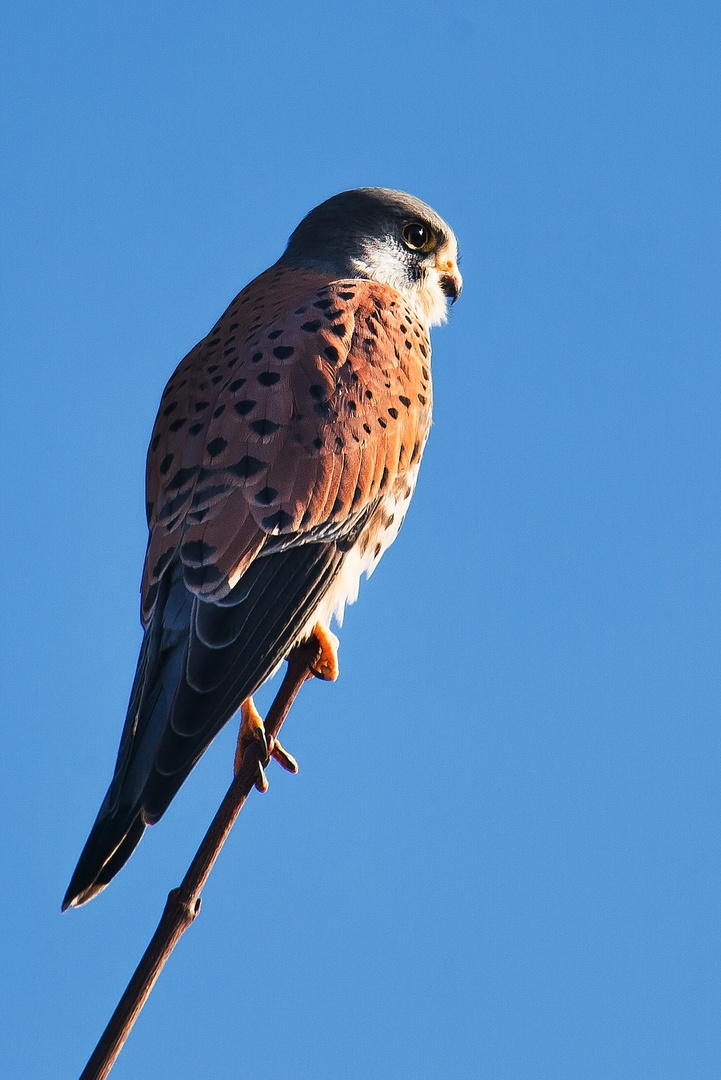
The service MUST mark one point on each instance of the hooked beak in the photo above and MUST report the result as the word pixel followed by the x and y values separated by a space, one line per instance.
pixel 449 278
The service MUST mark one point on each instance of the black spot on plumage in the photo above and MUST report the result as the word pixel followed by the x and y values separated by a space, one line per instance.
pixel 377 550
pixel 403 328
pixel 177 424
pixel 181 478
pixel 214 341
pixel 382 422
pixel 333 314
pixel 166 463
pixel 197 552
pixel 357 495
pixel 384 479
pixel 201 405
pixel 367 428
pixel 351 406
pixel 217 446
pixel 317 443
pixel 339 444
pixel 233 362
pixel 148 510
pixel 247 467
pixel 425 373
pixel 281 519
pixel 404 401
pixel 322 305
pixel 338 506
pixel 173 506
pixel 196 516
pixel 369 395
pixel 150 597
pixel 264 427
pixel 219 412
pixel 202 386
pixel 409 344
pixel 195 429
pixel 332 353
pixel 233 326
pixel 424 350
pixel 317 391
pixel 283 351
pixel 199 576
pixel 170 408
pixel 268 378
pixel 204 495
pixel 421 399
pixel 393 413
pixel 236 385
pixel 414 453
pixel 216 379
pixel 346 295
pixel 244 407
pixel 301 310
pixel 266 495
pixel 274 334
pixel 214 367
pixel 154 443
pixel 338 329
pixel 257 357
pixel 162 563
pixel 312 326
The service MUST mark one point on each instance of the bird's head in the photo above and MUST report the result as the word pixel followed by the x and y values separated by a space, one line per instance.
pixel 385 236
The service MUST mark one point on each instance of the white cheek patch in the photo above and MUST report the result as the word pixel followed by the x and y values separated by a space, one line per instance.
pixel 385 264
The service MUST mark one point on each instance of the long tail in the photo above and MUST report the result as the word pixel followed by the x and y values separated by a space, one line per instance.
pixel 198 662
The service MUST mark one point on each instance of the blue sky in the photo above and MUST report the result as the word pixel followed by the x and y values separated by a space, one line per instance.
pixel 500 859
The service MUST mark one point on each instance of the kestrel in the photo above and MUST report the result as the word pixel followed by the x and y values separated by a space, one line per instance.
pixel 282 461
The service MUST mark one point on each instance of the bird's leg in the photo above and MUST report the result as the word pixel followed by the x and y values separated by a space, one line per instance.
pixel 326 667
pixel 252 730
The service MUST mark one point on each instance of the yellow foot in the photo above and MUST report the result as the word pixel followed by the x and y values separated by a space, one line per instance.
pixel 327 665
pixel 252 730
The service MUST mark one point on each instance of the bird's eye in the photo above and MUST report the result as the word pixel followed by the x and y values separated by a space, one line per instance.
pixel 417 237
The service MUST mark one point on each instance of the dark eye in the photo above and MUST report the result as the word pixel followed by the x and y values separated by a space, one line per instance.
pixel 417 236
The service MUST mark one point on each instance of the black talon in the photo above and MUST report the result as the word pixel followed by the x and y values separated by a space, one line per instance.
pixel 284 759
pixel 261 783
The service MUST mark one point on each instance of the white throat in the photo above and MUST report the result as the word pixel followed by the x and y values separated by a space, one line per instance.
pixel 425 296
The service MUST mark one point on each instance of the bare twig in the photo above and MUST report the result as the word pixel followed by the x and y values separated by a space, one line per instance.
pixel 183 903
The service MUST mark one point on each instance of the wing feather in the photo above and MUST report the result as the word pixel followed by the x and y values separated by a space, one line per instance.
pixel 276 439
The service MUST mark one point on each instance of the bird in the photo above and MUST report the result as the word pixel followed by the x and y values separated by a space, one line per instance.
pixel 284 455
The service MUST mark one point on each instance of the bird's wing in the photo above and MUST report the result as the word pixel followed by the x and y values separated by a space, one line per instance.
pixel 275 441
pixel 297 410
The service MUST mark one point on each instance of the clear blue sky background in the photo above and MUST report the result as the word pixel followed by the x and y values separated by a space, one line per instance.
pixel 500 860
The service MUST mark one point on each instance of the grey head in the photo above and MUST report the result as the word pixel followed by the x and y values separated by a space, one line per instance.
pixel 386 236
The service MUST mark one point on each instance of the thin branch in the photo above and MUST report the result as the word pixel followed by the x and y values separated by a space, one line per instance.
pixel 183 903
